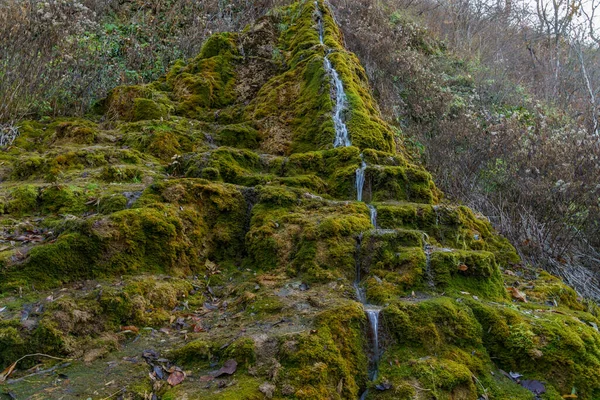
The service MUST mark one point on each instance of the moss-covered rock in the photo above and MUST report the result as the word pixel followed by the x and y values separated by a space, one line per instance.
pixel 212 204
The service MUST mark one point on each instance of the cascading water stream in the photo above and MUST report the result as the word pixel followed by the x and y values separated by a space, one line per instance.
pixel 373 212
pixel 360 178
pixel 320 22
pixel 373 317
pixel 342 139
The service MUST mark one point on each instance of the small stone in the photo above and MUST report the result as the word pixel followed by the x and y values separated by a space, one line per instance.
pixel 267 389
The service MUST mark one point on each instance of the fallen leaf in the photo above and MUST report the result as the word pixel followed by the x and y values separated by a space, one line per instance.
pixel 176 377
pixel 130 328
pixel 517 294
pixel 462 267
pixel 228 368
pixel 6 373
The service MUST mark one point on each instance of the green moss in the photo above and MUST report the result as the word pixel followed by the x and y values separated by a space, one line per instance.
pixel 27 166
pixel 23 200
pixel 468 271
pixel 146 109
pixel 243 351
pixel 209 80
pixel 239 135
pixel 58 199
pixel 121 173
pixel 112 203
pixel 314 363
pixel 547 346
pixel 218 44
pixel 265 306
pixel 76 131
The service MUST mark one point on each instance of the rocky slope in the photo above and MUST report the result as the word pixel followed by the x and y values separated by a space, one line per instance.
pixel 209 217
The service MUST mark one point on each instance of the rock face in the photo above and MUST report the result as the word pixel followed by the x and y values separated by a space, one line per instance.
pixel 212 208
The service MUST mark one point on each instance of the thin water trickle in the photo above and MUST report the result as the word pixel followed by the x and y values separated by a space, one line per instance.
pixel 373 212
pixel 360 178
pixel 342 138
pixel 373 316
pixel 320 22
pixel 373 313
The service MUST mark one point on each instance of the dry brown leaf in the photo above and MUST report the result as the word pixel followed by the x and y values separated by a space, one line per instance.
pixel 517 294
pixel 130 328
pixel 228 368
pixel 176 377
pixel 6 373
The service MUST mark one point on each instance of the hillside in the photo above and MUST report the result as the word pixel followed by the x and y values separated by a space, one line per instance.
pixel 248 226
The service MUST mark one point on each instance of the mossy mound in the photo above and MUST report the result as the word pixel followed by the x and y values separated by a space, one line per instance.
pixel 209 215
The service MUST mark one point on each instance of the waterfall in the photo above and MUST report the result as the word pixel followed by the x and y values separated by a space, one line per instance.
pixel 341 131
pixel 320 22
pixel 360 178
pixel 373 212
pixel 342 138
pixel 373 316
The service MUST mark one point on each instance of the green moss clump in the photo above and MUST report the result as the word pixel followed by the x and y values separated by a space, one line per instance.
pixel 121 173
pixel 219 44
pixel 239 135
pixel 76 131
pixel 548 346
pixel 58 199
pixel 469 271
pixel 243 351
pixel 112 203
pixel 315 362
pixel 197 352
pixel 147 109
pixel 209 80
pixel 28 166
pixel 23 200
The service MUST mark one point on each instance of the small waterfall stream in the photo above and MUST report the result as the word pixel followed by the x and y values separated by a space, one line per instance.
pixel 360 178
pixel 371 310
pixel 342 139
pixel 373 212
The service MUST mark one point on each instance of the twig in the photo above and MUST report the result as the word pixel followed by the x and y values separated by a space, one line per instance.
pixel 114 394
pixel 63 365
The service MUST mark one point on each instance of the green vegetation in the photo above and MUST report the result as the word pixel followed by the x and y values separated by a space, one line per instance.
pixel 207 216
